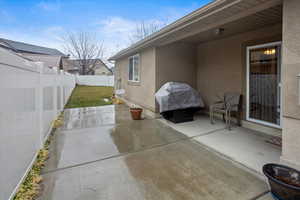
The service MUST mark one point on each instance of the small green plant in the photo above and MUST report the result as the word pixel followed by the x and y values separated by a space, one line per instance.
pixel 59 121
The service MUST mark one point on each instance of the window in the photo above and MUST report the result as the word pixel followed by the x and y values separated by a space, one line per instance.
pixel 134 68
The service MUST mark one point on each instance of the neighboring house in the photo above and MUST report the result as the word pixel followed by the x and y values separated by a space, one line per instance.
pixel 103 69
pixel 50 57
pixel 247 46
pixel 73 66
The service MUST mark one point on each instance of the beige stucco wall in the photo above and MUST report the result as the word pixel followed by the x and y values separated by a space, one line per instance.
pixel 291 68
pixel 221 64
pixel 176 62
pixel 141 93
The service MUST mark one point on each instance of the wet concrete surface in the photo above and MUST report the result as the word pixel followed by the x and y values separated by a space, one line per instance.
pixel 78 146
pixel 79 118
pixel 136 160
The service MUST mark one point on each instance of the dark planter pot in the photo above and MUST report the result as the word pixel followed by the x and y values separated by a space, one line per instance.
pixel 136 113
pixel 284 181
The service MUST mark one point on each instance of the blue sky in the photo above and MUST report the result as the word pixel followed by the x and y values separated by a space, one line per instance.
pixel 45 22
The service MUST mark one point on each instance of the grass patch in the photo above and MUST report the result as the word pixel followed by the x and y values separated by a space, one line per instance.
pixel 90 96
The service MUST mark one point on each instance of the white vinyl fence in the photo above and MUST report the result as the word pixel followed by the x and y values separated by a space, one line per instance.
pixel 32 96
pixel 95 80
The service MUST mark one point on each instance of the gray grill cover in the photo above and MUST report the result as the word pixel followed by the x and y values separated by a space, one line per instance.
pixel 174 96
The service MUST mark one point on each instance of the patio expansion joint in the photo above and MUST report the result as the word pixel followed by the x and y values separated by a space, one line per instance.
pixel 96 126
pixel 207 133
pixel 129 153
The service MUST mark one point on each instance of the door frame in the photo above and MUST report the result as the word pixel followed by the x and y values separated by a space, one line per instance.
pixel 278 43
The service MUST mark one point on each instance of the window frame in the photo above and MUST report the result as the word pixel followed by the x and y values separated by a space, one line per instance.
pixel 133 68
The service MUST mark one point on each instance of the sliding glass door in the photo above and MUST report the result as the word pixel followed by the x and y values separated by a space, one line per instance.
pixel 264 84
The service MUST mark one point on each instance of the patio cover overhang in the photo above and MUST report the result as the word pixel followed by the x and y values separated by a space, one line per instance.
pixel 234 16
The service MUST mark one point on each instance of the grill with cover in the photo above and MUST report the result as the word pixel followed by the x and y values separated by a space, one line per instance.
pixel 178 101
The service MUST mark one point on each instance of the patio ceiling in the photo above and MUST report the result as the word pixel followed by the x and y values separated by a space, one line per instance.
pixel 268 17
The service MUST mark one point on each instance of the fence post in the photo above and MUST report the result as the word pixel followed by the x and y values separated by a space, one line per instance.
pixel 55 84
pixel 61 85
pixel 40 103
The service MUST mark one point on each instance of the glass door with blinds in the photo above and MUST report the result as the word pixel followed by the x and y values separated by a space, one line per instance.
pixel 264 84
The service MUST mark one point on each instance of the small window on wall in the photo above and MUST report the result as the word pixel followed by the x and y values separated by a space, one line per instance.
pixel 134 68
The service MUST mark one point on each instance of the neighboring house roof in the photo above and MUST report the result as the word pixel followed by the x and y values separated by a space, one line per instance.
pixel 29 48
pixel 49 60
pixel 69 64
pixel 74 64
pixel 16 54
pixel 203 19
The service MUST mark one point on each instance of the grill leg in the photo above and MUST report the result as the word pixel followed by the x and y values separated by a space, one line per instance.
pixel 211 115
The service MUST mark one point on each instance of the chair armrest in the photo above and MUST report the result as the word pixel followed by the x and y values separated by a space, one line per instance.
pixel 219 104
pixel 231 106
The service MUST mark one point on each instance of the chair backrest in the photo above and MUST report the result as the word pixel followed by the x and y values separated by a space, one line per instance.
pixel 232 98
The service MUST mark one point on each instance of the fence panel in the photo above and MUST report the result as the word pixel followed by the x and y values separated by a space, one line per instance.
pixel 96 80
pixel 30 99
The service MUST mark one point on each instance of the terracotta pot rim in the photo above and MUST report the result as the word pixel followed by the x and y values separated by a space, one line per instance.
pixel 136 109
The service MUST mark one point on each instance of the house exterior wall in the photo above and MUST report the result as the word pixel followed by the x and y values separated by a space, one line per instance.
pixel 193 64
pixel 221 64
pixel 291 68
pixel 141 93
pixel 176 62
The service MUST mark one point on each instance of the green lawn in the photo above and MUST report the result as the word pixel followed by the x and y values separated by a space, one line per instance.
pixel 90 96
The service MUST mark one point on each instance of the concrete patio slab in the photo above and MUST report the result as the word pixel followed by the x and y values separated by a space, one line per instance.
pixel 95 116
pixel 244 146
pixel 200 126
pixel 182 170
pixel 118 158
pixel 77 146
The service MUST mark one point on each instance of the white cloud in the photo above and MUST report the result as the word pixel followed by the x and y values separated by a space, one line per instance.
pixel 116 25
pixel 54 32
pixel 49 6
pixel 116 31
